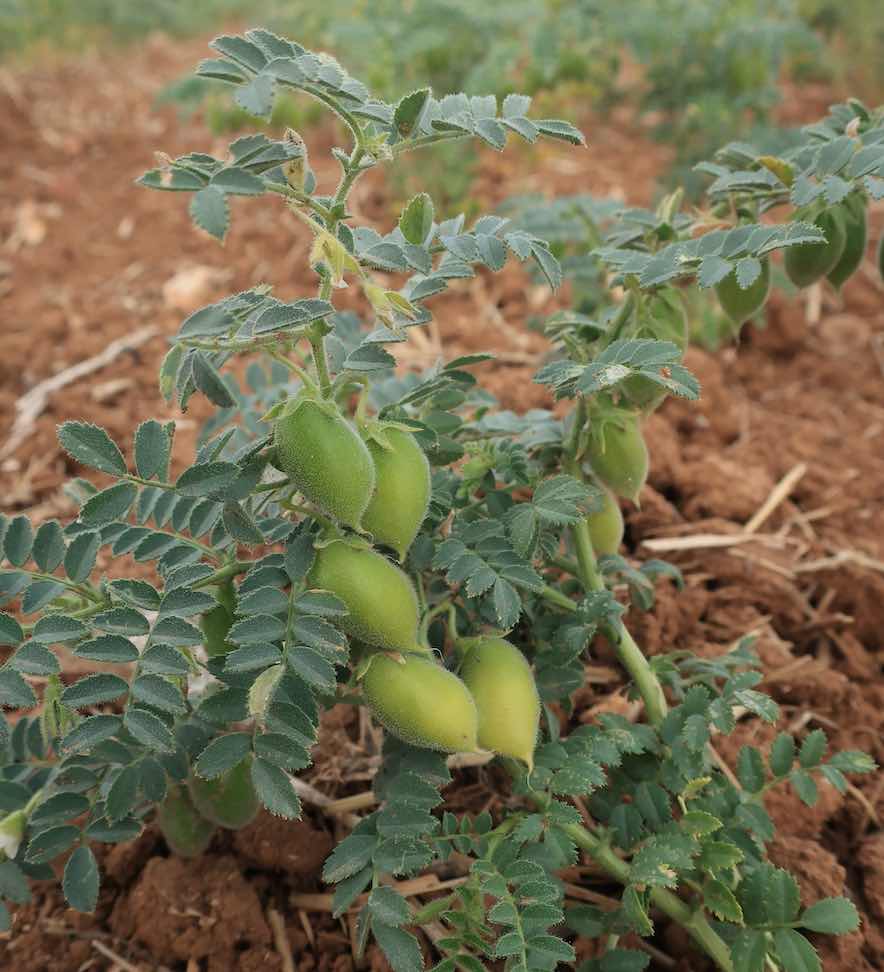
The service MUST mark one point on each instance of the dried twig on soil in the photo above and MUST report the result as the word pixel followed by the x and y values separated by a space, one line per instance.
pixel 765 562
pixel 855 557
pixel 782 489
pixel 427 884
pixel 705 541
pixel 342 807
pixel 31 405
pixel 702 541
pixel 308 928
pixel 114 957
pixel 281 940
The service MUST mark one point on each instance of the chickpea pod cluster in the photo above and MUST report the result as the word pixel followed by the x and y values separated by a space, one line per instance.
pixel 374 479
pixel 494 703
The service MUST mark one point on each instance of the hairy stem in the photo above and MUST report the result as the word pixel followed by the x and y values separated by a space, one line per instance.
pixel 86 612
pixel 694 922
pixel 292 366
pixel 302 198
pixel 351 174
pixel 225 573
pixel 628 652
pixel 633 660
pixel 424 141
pixel 316 334
pixel 320 360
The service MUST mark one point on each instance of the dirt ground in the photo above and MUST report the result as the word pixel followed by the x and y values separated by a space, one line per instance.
pixel 86 258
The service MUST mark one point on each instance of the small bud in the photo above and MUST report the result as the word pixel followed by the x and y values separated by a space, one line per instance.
pixel 56 719
pixel 329 250
pixel 387 304
pixel 295 169
pixel 12 832
pixel 262 690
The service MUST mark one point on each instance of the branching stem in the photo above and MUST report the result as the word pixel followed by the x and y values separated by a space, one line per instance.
pixel 694 922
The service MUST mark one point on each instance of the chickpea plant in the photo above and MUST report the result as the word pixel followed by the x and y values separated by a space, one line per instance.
pixel 348 535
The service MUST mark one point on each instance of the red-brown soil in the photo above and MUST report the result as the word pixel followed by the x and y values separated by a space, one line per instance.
pixel 87 258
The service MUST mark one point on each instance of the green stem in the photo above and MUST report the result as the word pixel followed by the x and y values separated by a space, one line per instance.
pixel 86 612
pixel 633 660
pixel 694 922
pixel 351 174
pixel 351 121
pixel 300 197
pixel 586 560
pixel 621 317
pixel 320 361
pixel 352 171
pixel 555 596
pixel 309 511
pixel 272 487
pixel 424 141
pixel 566 564
pixel 628 652
pixel 158 483
pixel 89 593
pixel 295 368
pixel 224 573
pixel 443 606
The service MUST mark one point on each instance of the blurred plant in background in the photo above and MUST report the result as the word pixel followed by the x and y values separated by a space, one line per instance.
pixel 700 71
pixel 854 33
pixel 27 26
pixel 711 70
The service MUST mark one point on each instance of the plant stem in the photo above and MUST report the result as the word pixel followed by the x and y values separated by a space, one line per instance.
pixel 224 573
pixel 440 608
pixel 586 559
pixel 86 612
pixel 556 597
pixel 633 660
pixel 294 368
pixel 628 652
pixel 351 174
pixel 320 361
pixel 300 197
pixel 566 564
pixel 83 590
pixel 694 922
pixel 349 120
pixel 424 141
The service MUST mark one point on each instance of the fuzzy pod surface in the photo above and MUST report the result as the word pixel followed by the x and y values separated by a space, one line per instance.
pixel 401 495
pixel 606 525
pixel 324 456
pixel 380 598
pixel 618 454
pixel 501 681
pixel 422 703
